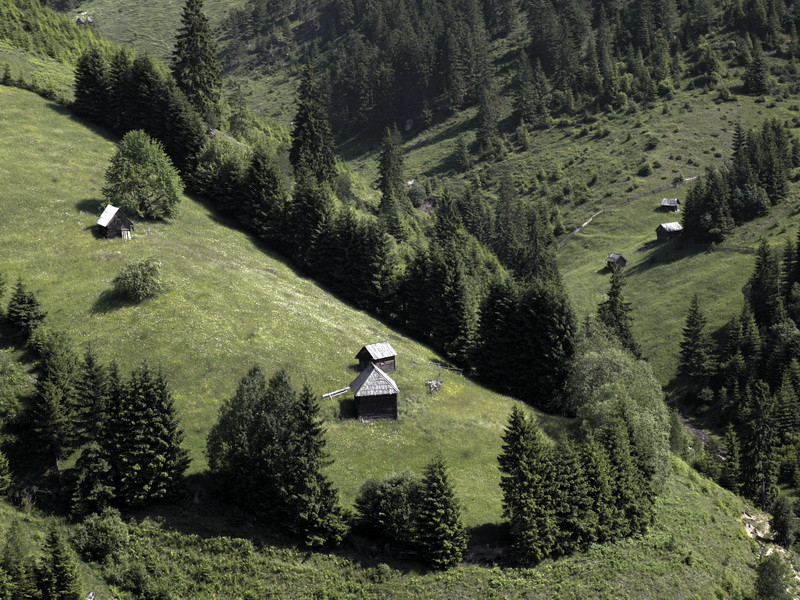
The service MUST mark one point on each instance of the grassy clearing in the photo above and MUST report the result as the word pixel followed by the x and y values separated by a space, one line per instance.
pixel 48 72
pixel 230 304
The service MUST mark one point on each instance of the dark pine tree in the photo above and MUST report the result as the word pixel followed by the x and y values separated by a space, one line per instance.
pixel 759 462
pixel 92 86
pixel 529 490
pixel 599 477
pixel 150 462
pixel 312 140
pixel 614 313
pixel 763 290
pixel 731 476
pixel 263 195
pixel 312 500
pixel 576 521
pixel 441 537
pixel 391 184
pixel 697 352
pixel 51 423
pixel 194 61
pixel 24 311
pixel 58 572
pixel 91 398
pixel 94 489
pixel 783 523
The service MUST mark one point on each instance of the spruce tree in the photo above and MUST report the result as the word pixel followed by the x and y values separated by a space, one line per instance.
pixel 697 352
pixel 441 537
pixel 772 578
pixel 149 462
pixel 756 76
pixel 529 490
pixel 58 572
pixel 264 195
pixel 51 423
pixel 576 521
pixel 312 140
pixel 731 469
pixel 763 289
pixel 17 564
pixel 599 477
pixel 391 184
pixel 91 396
pixel 783 523
pixel 24 312
pixel 759 464
pixel 92 86
pixel 194 61
pixel 614 313
pixel 312 501
pixel 487 130
pixel 631 512
pixel 94 488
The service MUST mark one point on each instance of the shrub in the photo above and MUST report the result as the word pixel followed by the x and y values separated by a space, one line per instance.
pixel 386 507
pixel 101 536
pixel 139 281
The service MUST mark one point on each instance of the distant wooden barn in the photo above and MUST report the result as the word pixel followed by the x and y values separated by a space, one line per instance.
pixel 671 204
pixel 667 231
pixel 113 223
pixel 84 19
pixel 381 355
pixel 375 394
pixel 616 261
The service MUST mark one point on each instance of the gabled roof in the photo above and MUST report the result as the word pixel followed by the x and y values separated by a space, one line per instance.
pixel 613 257
pixel 373 382
pixel 671 227
pixel 378 351
pixel 670 202
pixel 107 215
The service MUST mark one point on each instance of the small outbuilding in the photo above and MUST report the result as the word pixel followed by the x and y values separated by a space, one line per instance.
pixel 84 20
pixel 381 355
pixel 375 395
pixel 667 231
pixel 616 261
pixel 114 223
pixel 671 204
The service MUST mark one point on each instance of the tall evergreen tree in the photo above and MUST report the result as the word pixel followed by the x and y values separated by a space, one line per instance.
pixel 763 290
pixel 597 467
pixel 312 140
pixel 94 489
pixel 317 517
pixel 18 564
pixel 614 313
pixel 24 311
pixel 756 76
pixel 697 352
pixel 529 490
pixel 92 86
pixel 91 396
pixel 759 464
pixel 150 463
pixel 194 61
pixel 51 423
pixel 264 195
pixel 731 468
pixel 441 537
pixel 576 521
pixel 58 572
pixel 391 184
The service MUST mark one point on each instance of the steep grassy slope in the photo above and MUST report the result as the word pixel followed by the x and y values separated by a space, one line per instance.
pixel 230 304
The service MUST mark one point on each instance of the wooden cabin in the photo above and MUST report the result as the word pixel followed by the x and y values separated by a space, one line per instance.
pixel 671 204
pixel 381 355
pixel 616 261
pixel 375 394
pixel 667 231
pixel 113 223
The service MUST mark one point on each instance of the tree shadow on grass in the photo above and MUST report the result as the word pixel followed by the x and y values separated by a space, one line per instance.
pixel 109 301
pixel 663 253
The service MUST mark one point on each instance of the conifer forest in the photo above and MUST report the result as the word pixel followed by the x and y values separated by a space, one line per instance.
pixel 358 299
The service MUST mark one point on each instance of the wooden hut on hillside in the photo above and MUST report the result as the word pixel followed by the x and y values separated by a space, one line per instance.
pixel 113 223
pixel 375 394
pixel 381 355
pixel 667 231
pixel 671 204
pixel 616 261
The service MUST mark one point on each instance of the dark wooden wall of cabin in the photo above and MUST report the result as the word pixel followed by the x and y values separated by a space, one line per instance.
pixel 372 408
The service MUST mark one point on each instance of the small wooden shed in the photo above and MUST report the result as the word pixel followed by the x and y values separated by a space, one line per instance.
pixel 375 394
pixel 381 355
pixel 113 223
pixel 667 231
pixel 616 261
pixel 671 204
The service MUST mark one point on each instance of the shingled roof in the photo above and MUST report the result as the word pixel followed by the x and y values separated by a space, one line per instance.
pixel 107 215
pixel 670 202
pixel 378 351
pixel 671 227
pixel 373 382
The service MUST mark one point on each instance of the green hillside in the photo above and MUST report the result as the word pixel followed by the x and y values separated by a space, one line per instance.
pixel 230 304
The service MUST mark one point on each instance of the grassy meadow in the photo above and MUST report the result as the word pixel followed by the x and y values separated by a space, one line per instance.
pixel 230 304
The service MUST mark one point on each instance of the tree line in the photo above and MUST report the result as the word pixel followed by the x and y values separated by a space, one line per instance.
pixel 750 382
pixel 756 179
